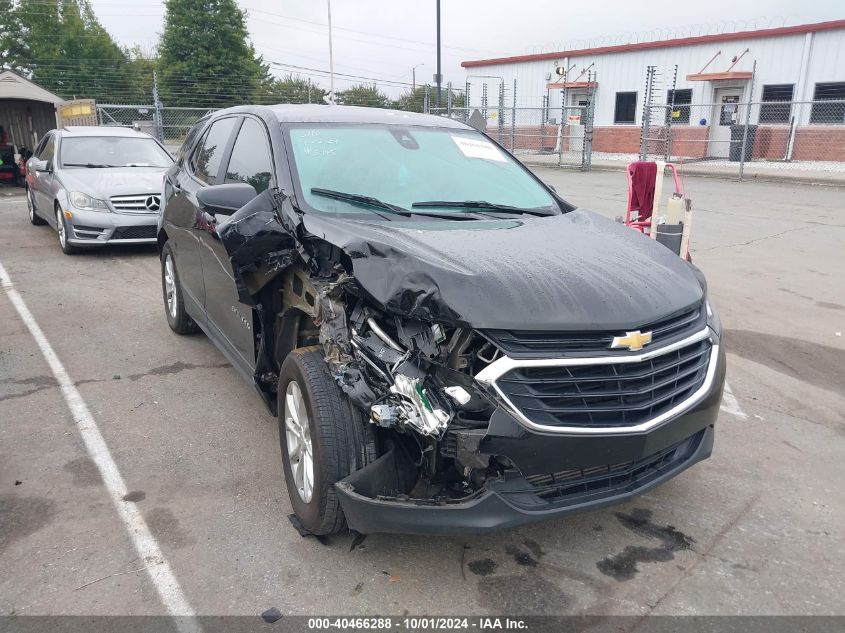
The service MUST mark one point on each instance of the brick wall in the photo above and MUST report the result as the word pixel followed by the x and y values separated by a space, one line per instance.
pixel 690 141
pixel 819 142
pixel 815 142
pixel 617 139
pixel 770 142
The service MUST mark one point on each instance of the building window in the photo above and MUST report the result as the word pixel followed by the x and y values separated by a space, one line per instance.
pixel 679 100
pixel 829 112
pixel 626 107
pixel 777 103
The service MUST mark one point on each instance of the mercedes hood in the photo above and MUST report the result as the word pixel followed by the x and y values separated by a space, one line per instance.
pixel 103 183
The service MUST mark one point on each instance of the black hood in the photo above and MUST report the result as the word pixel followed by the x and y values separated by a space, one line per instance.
pixel 576 271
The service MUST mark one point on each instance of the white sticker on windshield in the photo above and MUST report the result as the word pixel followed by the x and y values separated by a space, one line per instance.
pixel 478 148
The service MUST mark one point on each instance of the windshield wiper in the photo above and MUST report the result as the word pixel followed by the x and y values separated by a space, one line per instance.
pixel 478 204
pixel 357 198
pixel 89 165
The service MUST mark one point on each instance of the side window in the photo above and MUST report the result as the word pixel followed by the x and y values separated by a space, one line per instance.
pixel 251 162
pixel 40 147
pixel 208 159
pixel 49 151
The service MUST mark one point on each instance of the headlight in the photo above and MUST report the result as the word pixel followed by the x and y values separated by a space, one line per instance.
pixel 713 319
pixel 85 202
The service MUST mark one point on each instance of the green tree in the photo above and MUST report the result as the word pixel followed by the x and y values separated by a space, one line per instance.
pixel 364 95
pixel 141 66
pixel 290 89
pixel 61 45
pixel 414 100
pixel 205 58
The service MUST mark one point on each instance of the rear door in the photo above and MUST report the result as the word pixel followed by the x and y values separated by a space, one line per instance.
pixel 250 161
pixel 184 222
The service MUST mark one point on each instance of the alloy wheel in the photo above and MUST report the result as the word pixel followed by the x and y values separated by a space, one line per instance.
pixel 60 227
pixel 170 285
pixel 298 442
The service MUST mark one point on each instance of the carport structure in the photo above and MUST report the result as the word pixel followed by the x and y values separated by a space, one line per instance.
pixel 27 111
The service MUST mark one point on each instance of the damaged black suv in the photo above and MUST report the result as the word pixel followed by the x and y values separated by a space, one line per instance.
pixel 449 346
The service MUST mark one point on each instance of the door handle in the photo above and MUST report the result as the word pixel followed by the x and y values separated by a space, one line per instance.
pixel 177 189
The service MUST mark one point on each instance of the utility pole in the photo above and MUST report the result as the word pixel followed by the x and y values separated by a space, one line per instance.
pixel 331 57
pixel 438 78
pixel 157 121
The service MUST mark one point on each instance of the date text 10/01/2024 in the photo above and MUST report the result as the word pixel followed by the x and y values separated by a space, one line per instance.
pixel 418 623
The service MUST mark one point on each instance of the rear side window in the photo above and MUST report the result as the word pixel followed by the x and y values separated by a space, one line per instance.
pixel 251 162
pixel 207 159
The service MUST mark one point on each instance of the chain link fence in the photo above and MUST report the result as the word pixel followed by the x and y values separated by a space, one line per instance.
pixel 169 125
pixel 755 138
pixel 730 137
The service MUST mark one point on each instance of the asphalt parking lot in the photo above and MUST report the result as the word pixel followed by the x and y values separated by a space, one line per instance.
pixel 756 529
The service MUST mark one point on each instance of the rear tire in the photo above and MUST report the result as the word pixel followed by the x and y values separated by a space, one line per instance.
pixel 174 303
pixel 34 218
pixel 333 434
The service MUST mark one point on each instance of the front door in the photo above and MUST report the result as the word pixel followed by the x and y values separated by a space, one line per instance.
pixel 42 181
pixel 725 114
pixel 576 118
pixel 250 162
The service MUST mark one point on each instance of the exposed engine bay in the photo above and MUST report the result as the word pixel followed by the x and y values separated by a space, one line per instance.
pixel 403 318
pixel 413 380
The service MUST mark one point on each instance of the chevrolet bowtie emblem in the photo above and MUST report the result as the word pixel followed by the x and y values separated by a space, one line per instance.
pixel 632 340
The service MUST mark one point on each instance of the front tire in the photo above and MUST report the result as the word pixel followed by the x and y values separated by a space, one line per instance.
pixel 34 218
pixel 174 303
pixel 323 439
pixel 61 228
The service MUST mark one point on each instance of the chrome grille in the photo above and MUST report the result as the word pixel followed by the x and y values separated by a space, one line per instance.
pixel 540 344
pixel 608 393
pixel 137 203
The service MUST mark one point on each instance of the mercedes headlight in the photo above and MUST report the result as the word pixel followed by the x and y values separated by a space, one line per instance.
pixel 85 202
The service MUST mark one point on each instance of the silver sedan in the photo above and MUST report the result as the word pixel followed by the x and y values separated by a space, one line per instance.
pixel 97 186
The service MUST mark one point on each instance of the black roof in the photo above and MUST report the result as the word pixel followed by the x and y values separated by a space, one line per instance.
pixel 315 113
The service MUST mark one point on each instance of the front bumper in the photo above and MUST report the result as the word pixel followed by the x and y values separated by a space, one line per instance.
pixel 616 468
pixel 94 228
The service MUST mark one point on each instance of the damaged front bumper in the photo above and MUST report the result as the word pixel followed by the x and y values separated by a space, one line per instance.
pixel 555 475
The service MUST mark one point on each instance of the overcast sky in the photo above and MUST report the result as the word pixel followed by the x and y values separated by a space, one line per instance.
pixel 384 39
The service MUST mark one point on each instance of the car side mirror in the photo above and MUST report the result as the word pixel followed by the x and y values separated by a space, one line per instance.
pixel 42 166
pixel 225 199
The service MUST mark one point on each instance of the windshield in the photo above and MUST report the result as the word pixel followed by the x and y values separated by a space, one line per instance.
pixel 112 151
pixel 401 166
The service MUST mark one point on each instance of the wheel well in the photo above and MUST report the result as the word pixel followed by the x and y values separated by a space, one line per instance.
pixel 293 328
pixel 161 239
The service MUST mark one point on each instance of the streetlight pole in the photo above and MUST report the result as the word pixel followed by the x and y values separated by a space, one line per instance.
pixel 331 57
pixel 438 78
pixel 414 76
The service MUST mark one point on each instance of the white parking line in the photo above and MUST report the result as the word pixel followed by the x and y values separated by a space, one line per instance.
pixel 730 403
pixel 148 549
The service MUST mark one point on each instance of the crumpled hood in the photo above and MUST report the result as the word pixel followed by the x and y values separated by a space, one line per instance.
pixel 103 183
pixel 576 271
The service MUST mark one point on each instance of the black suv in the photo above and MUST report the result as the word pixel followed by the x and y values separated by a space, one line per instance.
pixel 449 346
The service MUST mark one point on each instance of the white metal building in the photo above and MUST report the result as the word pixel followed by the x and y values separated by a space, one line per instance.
pixel 794 64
